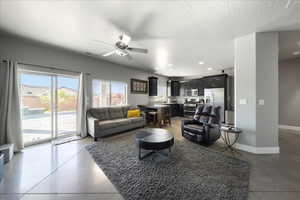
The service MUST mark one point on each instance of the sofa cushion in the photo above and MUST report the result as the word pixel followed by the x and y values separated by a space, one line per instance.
pixel 99 113
pixel 108 124
pixel 125 109
pixel 206 110
pixel 122 121
pixel 116 112
pixel 194 128
pixel 199 109
pixel 214 117
pixel 137 119
pixel 196 117
pixel 204 119
pixel 198 112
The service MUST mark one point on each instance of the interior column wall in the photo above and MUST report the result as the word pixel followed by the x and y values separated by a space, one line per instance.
pixel 245 88
pixel 267 89
pixel 256 92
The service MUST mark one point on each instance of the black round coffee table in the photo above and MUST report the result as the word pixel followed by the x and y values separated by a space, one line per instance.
pixel 154 139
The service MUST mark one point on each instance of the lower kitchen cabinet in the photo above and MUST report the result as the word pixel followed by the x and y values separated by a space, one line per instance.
pixel 176 109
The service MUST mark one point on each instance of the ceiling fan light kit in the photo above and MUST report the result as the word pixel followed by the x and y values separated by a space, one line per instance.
pixel 122 47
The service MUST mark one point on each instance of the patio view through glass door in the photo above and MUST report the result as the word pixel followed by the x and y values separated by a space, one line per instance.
pixel 48 105
pixel 67 96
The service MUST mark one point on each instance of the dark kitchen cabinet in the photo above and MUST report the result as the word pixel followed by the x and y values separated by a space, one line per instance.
pixel 176 109
pixel 175 88
pixel 152 86
pixel 200 87
pixel 219 81
pixel 194 83
pixel 180 110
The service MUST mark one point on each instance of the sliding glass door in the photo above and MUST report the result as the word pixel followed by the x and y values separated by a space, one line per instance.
pixel 36 107
pixel 67 95
pixel 48 105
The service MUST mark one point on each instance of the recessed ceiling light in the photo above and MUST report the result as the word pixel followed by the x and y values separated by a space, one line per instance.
pixel 210 68
pixel 296 53
pixel 200 62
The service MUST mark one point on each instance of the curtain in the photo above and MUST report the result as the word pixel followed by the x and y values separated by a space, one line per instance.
pixel 10 121
pixel 82 105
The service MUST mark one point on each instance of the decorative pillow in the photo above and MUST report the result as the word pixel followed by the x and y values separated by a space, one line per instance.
pixel 133 113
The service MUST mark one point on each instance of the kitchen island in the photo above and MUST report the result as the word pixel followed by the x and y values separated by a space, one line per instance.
pixel 176 108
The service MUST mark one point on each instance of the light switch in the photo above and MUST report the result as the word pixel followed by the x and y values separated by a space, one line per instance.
pixel 243 101
pixel 261 102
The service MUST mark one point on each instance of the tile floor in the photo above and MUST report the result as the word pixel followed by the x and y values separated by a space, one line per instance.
pixel 67 172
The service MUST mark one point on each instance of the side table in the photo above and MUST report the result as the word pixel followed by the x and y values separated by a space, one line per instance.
pixel 226 138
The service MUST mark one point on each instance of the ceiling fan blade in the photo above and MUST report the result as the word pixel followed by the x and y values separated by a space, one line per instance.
pixel 138 50
pixel 105 43
pixel 109 53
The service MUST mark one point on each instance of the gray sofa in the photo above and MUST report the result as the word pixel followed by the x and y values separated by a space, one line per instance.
pixel 109 120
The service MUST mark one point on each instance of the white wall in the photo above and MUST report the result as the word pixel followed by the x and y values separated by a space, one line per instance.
pixel 34 53
pixel 245 88
pixel 256 78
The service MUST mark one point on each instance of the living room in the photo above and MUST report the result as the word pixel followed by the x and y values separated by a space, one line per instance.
pixel 114 100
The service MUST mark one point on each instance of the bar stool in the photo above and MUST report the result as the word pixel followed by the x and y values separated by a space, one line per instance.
pixel 164 116
pixel 153 117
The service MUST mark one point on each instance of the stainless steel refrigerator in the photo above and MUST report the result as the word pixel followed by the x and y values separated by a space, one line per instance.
pixel 215 96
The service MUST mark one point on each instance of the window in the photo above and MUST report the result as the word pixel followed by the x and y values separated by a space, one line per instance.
pixel 109 93
pixel 118 93
pixel 101 93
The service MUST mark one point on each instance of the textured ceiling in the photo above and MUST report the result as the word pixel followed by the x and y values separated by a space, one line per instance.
pixel 178 34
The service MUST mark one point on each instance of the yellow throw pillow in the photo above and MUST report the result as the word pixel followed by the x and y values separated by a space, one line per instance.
pixel 133 113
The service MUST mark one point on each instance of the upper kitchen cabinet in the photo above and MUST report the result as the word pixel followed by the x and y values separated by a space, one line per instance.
pixel 218 81
pixel 152 86
pixel 194 84
pixel 175 88
pixel 200 87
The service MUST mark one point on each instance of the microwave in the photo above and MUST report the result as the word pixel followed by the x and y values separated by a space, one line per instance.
pixel 194 92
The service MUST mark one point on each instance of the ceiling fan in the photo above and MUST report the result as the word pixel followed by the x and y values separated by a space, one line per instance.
pixel 122 48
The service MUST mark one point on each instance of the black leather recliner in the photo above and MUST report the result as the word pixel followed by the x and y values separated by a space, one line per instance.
pixel 205 125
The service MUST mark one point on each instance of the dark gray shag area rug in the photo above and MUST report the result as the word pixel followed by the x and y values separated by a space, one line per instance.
pixel 190 172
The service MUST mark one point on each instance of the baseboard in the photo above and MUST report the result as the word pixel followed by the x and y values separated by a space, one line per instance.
pixel 287 127
pixel 257 150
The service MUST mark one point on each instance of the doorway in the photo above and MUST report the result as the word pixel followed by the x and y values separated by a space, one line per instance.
pixel 48 106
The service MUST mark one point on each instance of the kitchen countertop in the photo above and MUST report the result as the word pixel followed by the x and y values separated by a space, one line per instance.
pixel 171 103
pixel 154 106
